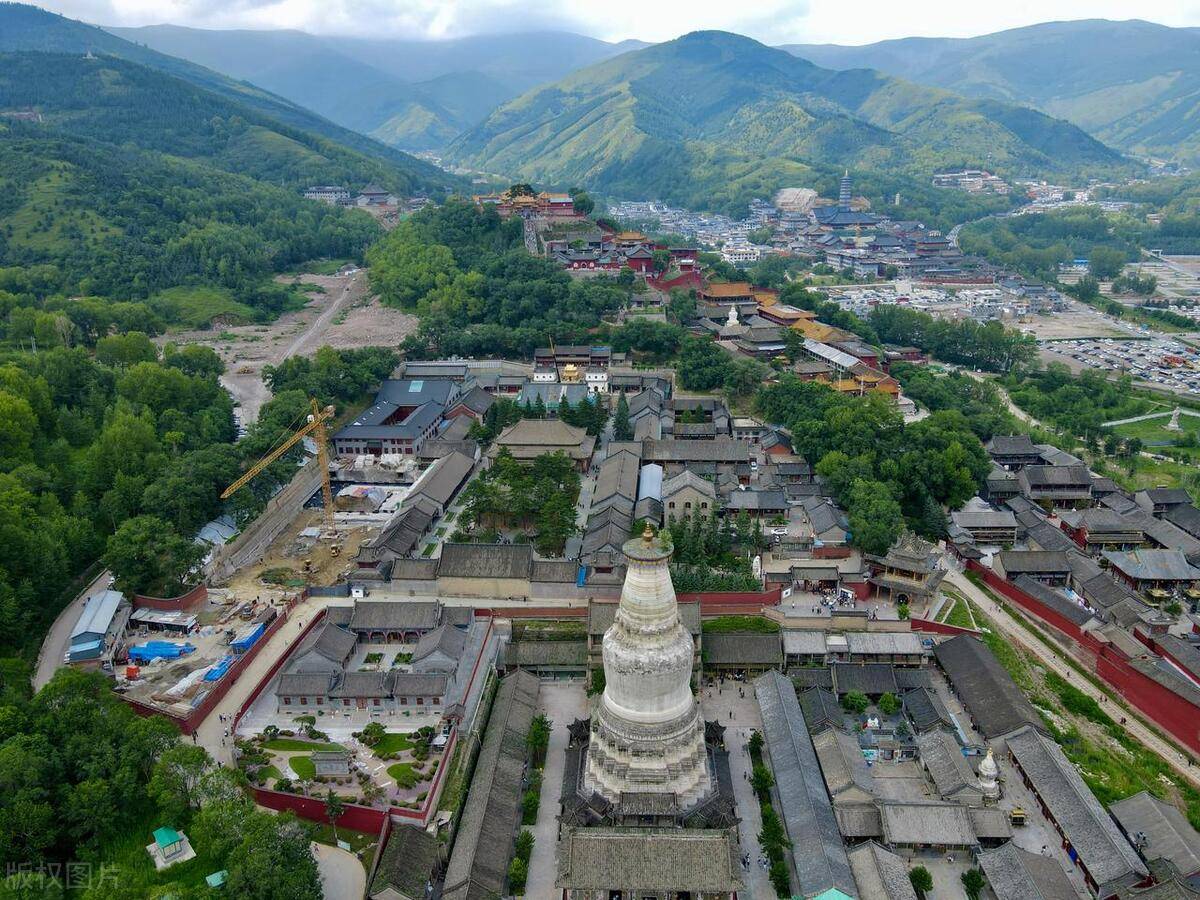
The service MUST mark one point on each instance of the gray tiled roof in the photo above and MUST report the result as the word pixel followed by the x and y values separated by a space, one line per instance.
pixel 952 775
pixel 926 710
pixel 993 699
pixel 546 653
pixel 394 614
pixel 1017 561
pixel 1154 565
pixel 362 684
pixel 817 850
pixel 1054 599
pixel 407 863
pixel 743 649
pixel 478 865
pixel 880 874
pixel 937 824
pixel 331 642
pixel 1169 835
pixel 1016 874
pixel 1095 837
pixel 871 679
pixel 485 561
pixel 445 638
pixel 303 684
pixel 648 859
pixel 412 684
pixel 843 765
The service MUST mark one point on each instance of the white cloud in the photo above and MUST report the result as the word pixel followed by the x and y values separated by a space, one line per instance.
pixel 772 21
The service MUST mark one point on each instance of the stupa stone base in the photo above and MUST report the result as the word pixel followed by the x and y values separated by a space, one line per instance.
pixel 663 758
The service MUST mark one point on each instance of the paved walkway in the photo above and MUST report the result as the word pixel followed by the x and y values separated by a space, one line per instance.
pixel 717 702
pixel 58 638
pixel 211 733
pixel 563 703
pixel 1054 661
pixel 342 874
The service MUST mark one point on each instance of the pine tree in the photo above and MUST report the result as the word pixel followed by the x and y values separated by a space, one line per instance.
pixel 539 408
pixel 622 429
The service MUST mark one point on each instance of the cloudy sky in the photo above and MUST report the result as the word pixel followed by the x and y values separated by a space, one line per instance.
pixel 771 21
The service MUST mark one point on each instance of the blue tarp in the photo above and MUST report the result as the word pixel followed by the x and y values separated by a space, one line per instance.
pixel 219 669
pixel 247 638
pixel 158 650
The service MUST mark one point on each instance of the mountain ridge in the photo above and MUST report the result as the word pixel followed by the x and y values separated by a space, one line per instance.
pixel 393 90
pixel 712 94
pixel 1133 84
pixel 29 28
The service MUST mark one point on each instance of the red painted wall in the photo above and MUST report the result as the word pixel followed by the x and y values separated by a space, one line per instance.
pixel 1167 709
pixel 359 818
pixel 184 601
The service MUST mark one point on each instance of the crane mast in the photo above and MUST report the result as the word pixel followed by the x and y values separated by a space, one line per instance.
pixel 315 425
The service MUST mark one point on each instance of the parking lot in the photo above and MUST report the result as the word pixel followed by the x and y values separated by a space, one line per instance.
pixel 1165 362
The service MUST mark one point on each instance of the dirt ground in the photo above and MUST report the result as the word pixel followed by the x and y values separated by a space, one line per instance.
pixel 342 314
pixel 1076 322
pixel 288 553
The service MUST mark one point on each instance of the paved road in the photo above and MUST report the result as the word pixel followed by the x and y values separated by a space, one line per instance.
pixel 717 703
pixel 1054 661
pixel 562 703
pixel 342 875
pixel 58 639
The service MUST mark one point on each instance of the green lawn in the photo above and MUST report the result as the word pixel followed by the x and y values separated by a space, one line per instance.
pixel 392 743
pixel 285 743
pixel 322 833
pixel 1153 431
pixel 957 613
pixel 304 767
pixel 739 624
pixel 406 776
pixel 139 877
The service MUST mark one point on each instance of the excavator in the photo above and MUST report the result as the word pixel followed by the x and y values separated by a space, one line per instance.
pixel 315 426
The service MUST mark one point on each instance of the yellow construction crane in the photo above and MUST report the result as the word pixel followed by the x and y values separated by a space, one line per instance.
pixel 315 426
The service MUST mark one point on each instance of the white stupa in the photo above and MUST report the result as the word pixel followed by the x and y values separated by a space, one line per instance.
pixel 647 734
pixel 989 774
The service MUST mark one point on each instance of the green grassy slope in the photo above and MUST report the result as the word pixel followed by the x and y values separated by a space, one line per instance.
pixel 675 119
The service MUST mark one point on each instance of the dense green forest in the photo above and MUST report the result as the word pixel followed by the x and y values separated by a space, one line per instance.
pixel 1038 244
pixel 886 474
pixel 26 28
pixel 988 346
pixel 126 225
pixel 467 274
pixel 86 781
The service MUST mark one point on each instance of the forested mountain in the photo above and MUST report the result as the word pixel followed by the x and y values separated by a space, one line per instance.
pixel 1134 85
pixel 712 118
pixel 27 28
pixel 416 95
pixel 116 101
pixel 129 182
